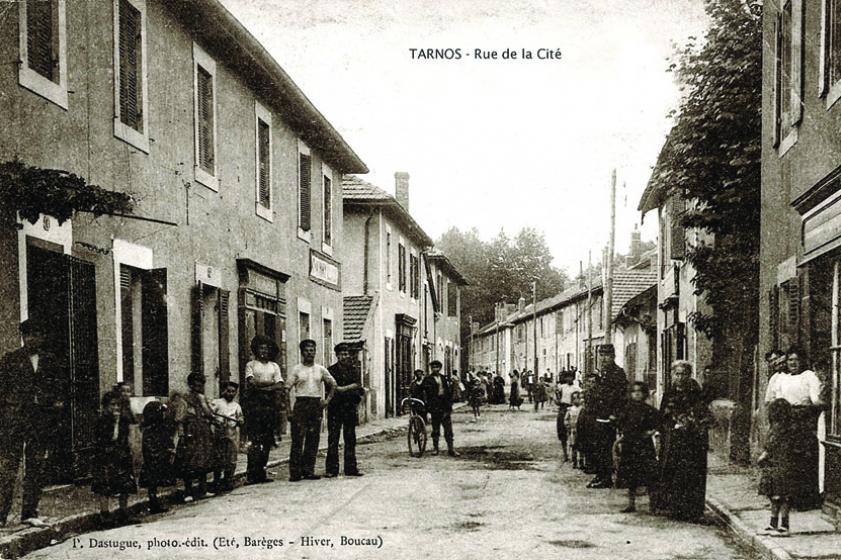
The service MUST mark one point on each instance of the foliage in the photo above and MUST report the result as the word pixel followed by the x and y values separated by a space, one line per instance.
pixel 500 270
pixel 712 157
pixel 32 191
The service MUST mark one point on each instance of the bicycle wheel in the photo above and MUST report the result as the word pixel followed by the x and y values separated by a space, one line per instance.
pixel 416 437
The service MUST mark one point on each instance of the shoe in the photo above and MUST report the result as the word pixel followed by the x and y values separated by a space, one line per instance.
pixel 312 477
pixel 783 532
pixel 294 479
pixel 599 484
pixel 629 509
pixel 453 453
pixel 331 475
pixel 768 530
pixel 157 507
pixel 435 451
pixel 34 522
pixel 355 473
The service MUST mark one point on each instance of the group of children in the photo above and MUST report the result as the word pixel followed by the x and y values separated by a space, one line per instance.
pixel 186 440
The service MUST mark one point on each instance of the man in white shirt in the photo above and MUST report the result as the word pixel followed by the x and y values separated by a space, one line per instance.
pixel 307 380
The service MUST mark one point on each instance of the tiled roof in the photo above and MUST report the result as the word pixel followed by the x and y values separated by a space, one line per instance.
pixel 356 309
pixel 436 255
pixel 356 191
pixel 354 188
pixel 628 284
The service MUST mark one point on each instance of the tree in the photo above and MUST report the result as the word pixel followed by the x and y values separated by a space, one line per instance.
pixel 712 158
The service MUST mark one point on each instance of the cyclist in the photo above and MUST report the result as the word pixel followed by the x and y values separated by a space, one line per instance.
pixel 416 391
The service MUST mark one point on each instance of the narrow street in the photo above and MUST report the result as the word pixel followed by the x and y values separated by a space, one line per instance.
pixel 507 496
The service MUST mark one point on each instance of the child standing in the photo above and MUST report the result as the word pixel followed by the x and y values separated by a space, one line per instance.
pixel 194 454
pixel 777 464
pixel 112 468
pixel 637 458
pixel 158 453
pixel 570 425
pixel 229 418
pixel 476 395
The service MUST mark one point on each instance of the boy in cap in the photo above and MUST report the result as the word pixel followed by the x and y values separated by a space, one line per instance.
pixel 341 412
pixel 439 404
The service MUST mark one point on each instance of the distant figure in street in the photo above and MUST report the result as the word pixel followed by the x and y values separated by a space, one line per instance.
pixel 31 404
pixel 539 394
pixel 439 403
pixel 778 465
pixel 308 381
pixel 683 458
pixel 604 402
pixel 563 397
pixel 571 427
pixel 228 417
pixel 416 391
pixel 264 395
pixel 514 400
pixel 158 453
pixel 112 465
pixel 498 389
pixel 477 393
pixel 528 382
pixel 454 381
pixel 637 424
pixel 341 413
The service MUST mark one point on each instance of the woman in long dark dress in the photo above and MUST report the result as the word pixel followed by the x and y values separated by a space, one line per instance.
pixel 514 400
pixel 685 441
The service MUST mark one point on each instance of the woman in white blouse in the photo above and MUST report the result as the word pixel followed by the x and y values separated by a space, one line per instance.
pixel 802 389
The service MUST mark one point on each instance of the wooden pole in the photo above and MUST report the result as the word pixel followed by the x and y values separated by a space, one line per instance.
pixel 587 354
pixel 534 320
pixel 608 327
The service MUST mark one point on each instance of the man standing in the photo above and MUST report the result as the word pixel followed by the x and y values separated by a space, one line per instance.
pixel 341 412
pixel 439 404
pixel 30 406
pixel 607 397
pixel 307 380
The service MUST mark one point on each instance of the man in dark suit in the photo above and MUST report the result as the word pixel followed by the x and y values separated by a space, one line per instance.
pixel 30 407
pixel 608 394
pixel 439 404
pixel 341 412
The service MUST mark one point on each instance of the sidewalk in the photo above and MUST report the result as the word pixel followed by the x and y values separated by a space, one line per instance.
pixel 733 499
pixel 73 509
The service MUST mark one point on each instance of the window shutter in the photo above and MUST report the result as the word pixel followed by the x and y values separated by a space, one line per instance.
pixel 328 211
pixel 793 302
pixel 778 79
pixel 39 37
pixel 130 45
pixel 204 83
pixel 155 333
pixel 224 336
pixel 797 61
pixel 127 323
pixel 305 192
pixel 196 354
pixel 265 171
pixel 774 316
pixel 823 74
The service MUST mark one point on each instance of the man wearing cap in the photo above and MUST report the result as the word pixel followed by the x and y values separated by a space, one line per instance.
pixel 605 401
pixel 30 406
pixel 439 404
pixel 341 412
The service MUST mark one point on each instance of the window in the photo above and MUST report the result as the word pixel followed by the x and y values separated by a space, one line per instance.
pixel 303 326
pixel 204 69
pixel 788 62
pixel 43 49
pixel 263 151
pixel 327 238
pixel 130 99
pixel 388 259
pixel 452 300
pixel 327 341
pixel 401 267
pixel 439 280
pixel 830 68
pixel 304 191
pixel 414 276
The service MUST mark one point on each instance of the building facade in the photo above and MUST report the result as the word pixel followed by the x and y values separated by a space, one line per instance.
pixel 237 224
pixel 801 210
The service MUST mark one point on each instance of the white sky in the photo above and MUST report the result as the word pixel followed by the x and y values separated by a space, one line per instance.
pixel 494 143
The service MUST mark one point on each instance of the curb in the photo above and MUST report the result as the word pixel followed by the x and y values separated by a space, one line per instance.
pixel 32 539
pixel 747 537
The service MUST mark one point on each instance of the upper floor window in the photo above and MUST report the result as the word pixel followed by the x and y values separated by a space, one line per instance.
pixel 788 63
pixel 830 69
pixel 304 190
pixel 204 76
pixel 130 94
pixel 327 223
pixel 43 49
pixel 263 140
pixel 401 267
pixel 414 276
pixel 452 301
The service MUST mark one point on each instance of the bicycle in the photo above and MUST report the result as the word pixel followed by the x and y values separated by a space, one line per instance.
pixel 416 436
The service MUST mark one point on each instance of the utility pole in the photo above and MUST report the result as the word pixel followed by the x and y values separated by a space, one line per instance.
pixel 589 346
pixel 608 291
pixel 496 336
pixel 534 320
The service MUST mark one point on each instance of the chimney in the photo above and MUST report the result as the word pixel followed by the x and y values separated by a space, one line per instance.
pixel 636 244
pixel 401 189
pixel 474 327
pixel 521 304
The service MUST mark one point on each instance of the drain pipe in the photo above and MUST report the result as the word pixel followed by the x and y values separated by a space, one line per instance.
pixel 365 252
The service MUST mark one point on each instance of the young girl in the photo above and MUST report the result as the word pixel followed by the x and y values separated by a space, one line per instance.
pixel 570 424
pixel 112 467
pixel 228 419
pixel 778 467
pixel 158 453
pixel 637 458
pixel 476 395
pixel 194 453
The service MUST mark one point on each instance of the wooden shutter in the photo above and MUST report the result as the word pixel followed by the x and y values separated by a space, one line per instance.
pixel 196 351
pixel 39 37
pixel 130 57
pixel 263 141
pixel 401 267
pixel 778 79
pixel 793 302
pixel 328 211
pixel 305 194
pixel 155 333
pixel 224 336
pixel 127 326
pixel 774 317
pixel 204 94
pixel 796 61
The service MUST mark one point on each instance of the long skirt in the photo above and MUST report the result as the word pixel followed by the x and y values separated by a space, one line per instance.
pixel 682 487
pixel 804 493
